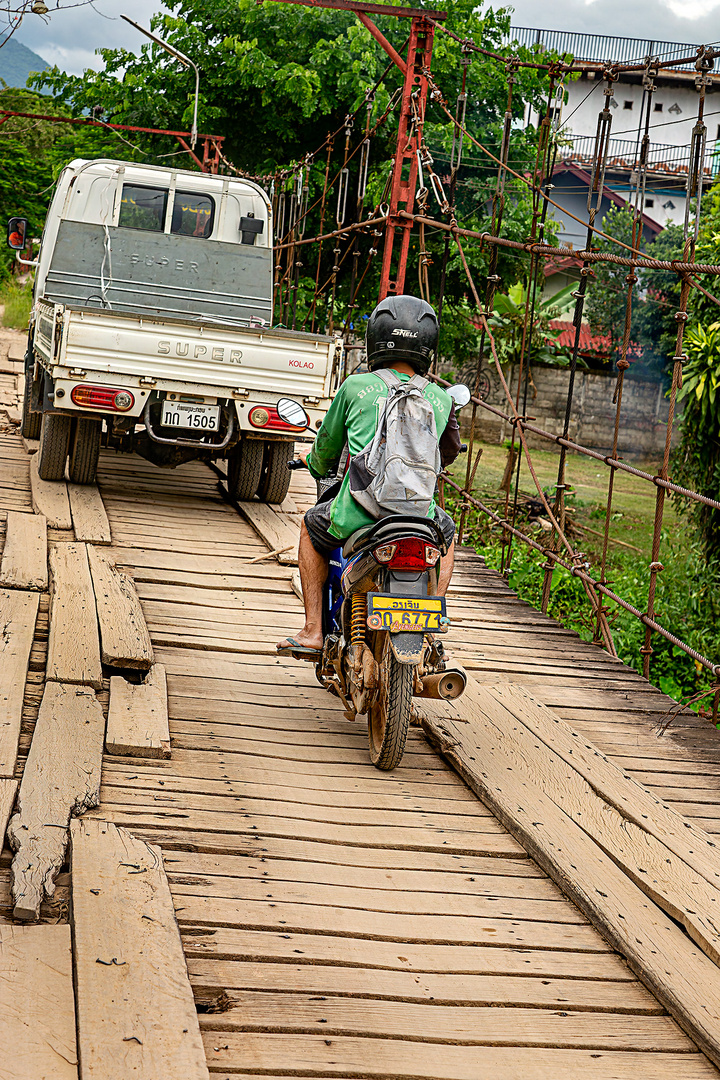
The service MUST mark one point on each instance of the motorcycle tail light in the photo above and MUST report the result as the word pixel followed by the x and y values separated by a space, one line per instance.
pixel 102 397
pixel 385 553
pixel 410 553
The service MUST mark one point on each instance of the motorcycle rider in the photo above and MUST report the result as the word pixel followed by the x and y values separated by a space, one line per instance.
pixel 402 334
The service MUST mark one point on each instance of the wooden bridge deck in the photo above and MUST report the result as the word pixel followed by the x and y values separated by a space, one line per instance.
pixel 338 922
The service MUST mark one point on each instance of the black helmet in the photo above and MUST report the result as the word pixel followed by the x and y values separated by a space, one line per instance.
pixel 402 328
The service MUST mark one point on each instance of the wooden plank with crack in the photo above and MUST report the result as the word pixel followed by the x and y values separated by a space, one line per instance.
pixel 73 643
pixel 123 632
pixel 138 716
pixel 24 558
pixel 37 1004
pixel 135 1007
pixel 18 614
pixel 276 529
pixel 90 521
pixel 50 498
pixel 681 976
pixel 61 780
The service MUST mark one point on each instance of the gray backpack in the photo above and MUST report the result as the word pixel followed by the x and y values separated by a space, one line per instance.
pixel 396 472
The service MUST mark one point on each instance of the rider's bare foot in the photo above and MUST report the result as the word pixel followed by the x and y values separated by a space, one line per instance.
pixel 304 638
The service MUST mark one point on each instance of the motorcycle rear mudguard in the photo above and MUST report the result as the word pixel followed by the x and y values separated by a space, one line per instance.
pixel 407 645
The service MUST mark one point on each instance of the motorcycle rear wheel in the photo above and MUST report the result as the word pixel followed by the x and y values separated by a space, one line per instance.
pixel 389 717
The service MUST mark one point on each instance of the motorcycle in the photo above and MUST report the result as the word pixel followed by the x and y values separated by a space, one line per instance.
pixel 383 624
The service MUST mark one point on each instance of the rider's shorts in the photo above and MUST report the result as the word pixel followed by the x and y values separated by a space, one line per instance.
pixel 317 522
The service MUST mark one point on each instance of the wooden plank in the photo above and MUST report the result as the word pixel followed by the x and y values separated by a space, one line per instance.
pixel 277 530
pixel 477 1026
pixel 61 779
pixel 676 837
pixel 90 521
pixel 397 1059
pixel 24 559
pixel 683 979
pixel 18 614
pixel 31 445
pixel 318 950
pixel 37 1005
pixel 50 498
pixel 212 976
pixel 136 1014
pixel 138 716
pixel 8 790
pixel 73 645
pixel 123 632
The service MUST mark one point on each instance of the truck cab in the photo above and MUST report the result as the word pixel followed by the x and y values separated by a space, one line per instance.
pixel 152 329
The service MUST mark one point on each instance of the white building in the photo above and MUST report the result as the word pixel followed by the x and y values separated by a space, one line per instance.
pixel 672 118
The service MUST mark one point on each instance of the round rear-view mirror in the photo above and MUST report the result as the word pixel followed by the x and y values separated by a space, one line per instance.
pixel 460 394
pixel 16 233
pixel 292 413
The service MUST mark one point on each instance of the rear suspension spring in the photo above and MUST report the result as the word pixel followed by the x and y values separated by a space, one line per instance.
pixel 358 618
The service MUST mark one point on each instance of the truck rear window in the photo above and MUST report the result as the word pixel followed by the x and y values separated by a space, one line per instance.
pixel 192 214
pixel 143 207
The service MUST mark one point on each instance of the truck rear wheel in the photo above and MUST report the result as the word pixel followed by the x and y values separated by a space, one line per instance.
pixel 31 421
pixel 245 465
pixel 54 442
pixel 85 451
pixel 275 479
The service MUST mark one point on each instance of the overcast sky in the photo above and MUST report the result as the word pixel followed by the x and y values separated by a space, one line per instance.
pixel 69 38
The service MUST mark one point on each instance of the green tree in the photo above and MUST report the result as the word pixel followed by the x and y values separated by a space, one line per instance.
pixel 655 296
pixel 276 79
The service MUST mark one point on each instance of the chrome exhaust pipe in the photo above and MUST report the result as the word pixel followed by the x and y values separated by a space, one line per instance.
pixel 447 685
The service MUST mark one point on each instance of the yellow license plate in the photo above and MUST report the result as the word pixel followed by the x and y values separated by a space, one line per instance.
pixel 397 613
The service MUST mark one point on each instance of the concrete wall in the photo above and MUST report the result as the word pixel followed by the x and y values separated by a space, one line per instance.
pixel 642 419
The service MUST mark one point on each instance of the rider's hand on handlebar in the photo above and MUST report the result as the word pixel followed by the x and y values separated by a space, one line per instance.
pixel 302 452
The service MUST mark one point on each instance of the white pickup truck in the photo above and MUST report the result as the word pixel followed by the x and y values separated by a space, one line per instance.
pixel 152 329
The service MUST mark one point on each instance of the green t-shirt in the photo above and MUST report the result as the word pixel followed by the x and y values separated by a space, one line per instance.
pixel 353 418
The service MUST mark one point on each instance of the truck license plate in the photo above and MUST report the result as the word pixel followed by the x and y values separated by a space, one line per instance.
pixel 396 613
pixel 183 414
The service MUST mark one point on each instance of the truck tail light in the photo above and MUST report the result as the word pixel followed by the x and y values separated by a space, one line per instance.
pixel 411 553
pixel 102 397
pixel 267 417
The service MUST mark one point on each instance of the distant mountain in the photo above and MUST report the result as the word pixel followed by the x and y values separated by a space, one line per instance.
pixel 17 61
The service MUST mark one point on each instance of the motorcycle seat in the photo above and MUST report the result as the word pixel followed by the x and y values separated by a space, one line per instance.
pixel 394 527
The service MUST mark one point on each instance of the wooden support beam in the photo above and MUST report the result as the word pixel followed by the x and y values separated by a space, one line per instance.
pixel 24 558
pixel 138 716
pixel 50 498
pixel 528 791
pixel 73 645
pixel 18 613
pixel 90 521
pixel 123 631
pixel 37 1005
pixel 135 1007
pixel 61 780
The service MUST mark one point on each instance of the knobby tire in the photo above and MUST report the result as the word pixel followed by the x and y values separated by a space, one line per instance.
pixel 387 735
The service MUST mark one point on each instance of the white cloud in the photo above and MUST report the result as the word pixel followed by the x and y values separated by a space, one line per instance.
pixel 69 38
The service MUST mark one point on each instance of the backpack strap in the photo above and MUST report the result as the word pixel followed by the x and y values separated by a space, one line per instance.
pixel 387 376
pixel 420 382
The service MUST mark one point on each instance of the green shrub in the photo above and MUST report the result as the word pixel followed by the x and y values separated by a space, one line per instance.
pixel 16 299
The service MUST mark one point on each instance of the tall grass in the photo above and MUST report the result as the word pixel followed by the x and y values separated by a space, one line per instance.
pixel 16 299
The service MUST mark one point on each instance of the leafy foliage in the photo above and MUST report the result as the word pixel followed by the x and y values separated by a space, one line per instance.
pixel 508 322
pixel 276 79
pixel 32 153
pixel 655 297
